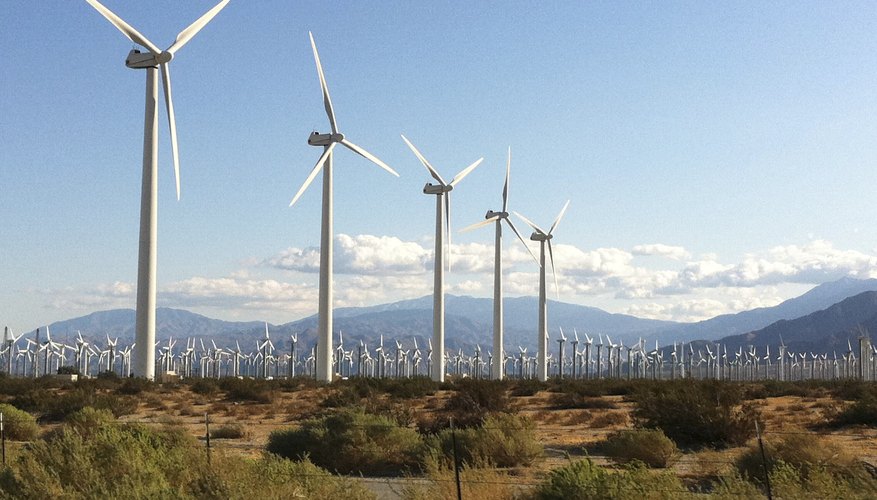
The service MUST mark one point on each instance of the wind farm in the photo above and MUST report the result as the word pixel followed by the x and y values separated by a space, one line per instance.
pixel 712 168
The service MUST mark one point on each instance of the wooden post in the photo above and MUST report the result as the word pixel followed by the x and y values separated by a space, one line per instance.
pixel 207 429
pixel 764 462
pixel 456 460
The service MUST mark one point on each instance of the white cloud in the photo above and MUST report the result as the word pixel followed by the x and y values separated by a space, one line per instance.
pixel 659 249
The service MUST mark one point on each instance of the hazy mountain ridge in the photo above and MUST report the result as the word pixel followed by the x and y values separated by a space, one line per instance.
pixel 468 321
pixel 822 331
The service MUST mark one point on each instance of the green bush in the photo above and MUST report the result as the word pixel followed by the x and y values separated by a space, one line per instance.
pixel 205 386
pixel 503 440
pixel 351 441
pixel 17 424
pixel 861 412
pixel 246 389
pixel 572 400
pixel 807 453
pixel 113 461
pixel 55 407
pixel 527 387
pixel 93 456
pixel 132 386
pixel 584 480
pixel 649 446
pixel 473 400
pixel 697 413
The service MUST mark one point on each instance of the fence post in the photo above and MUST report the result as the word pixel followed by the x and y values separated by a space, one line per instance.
pixel 456 460
pixel 764 462
pixel 3 438
pixel 207 430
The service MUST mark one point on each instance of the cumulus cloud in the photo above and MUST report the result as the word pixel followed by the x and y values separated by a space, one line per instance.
pixel 659 249
pixel 363 254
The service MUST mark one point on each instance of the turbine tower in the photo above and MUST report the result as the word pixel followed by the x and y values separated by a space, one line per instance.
pixel 323 361
pixel 544 237
pixel 146 262
pixel 442 193
pixel 498 218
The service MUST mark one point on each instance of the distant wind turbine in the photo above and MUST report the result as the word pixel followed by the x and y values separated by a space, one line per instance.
pixel 442 216
pixel 544 237
pixel 146 263
pixel 323 360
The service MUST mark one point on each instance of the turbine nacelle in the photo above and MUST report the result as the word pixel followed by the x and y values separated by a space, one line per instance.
pixel 317 139
pixel 143 60
pixel 437 189
pixel 499 215
pixel 538 236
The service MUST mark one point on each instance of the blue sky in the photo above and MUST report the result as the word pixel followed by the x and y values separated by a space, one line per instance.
pixel 719 155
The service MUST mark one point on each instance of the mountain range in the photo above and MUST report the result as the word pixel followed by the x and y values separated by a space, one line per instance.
pixel 468 321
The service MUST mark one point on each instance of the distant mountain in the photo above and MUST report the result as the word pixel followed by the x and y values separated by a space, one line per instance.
pixel 820 297
pixel 119 323
pixel 468 321
pixel 822 331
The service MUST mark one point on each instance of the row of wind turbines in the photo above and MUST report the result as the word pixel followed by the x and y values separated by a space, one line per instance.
pixel 155 59
pixel 588 359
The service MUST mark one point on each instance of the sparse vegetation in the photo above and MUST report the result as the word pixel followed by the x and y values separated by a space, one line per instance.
pixel 697 413
pixel 584 479
pixel 18 425
pixel 503 440
pixel 351 441
pixel 649 446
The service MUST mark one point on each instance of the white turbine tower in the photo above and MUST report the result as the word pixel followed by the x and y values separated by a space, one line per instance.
pixel 146 263
pixel 323 359
pixel 498 218
pixel 543 237
pixel 442 216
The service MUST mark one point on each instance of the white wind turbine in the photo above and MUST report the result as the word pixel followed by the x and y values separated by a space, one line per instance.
pixel 147 258
pixel 323 358
pixel 442 193
pixel 542 237
pixel 498 218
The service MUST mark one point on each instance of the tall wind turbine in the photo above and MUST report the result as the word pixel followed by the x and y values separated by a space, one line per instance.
pixel 442 193
pixel 497 218
pixel 544 237
pixel 323 360
pixel 146 262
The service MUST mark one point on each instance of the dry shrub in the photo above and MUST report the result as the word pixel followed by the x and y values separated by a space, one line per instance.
pixel 483 484
pixel 697 413
pixel 806 452
pixel 649 446
pixel 503 440
pixel 579 417
pixel 229 431
pixel 586 480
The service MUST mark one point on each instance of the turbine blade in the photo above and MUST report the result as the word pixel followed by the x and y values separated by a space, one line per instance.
pixel 323 158
pixel 505 187
pixel 466 171
pixel 187 34
pixel 124 27
pixel 553 270
pixel 511 225
pixel 479 224
pixel 327 101
pixel 365 154
pixel 530 223
pixel 559 216
pixel 172 123
pixel 435 175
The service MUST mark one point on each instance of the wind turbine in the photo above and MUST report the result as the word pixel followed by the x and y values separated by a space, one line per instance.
pixel 542 237
pixel 442 193
pixel 323 359
pixel 147 257
pixel 498 218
